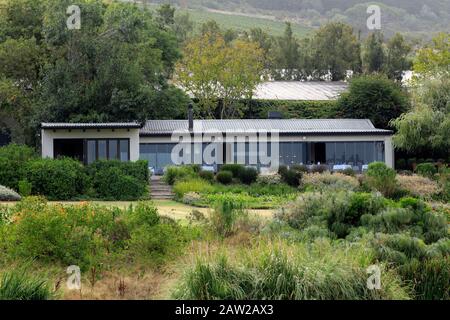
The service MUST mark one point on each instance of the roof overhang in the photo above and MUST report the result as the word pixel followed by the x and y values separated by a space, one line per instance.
pixel 110 125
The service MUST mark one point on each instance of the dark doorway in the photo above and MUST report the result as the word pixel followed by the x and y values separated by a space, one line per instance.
pixel 72 148
pixel 319 152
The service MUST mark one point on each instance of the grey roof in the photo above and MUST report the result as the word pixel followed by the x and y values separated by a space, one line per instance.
pixel 284 126
pixel 298 90
pixel 110 125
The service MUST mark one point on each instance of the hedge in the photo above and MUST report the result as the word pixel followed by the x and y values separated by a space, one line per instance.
pixel 12 162
pixel 293 109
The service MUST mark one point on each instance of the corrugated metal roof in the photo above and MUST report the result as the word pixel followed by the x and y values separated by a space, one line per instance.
pixel 286 126
pixel 110 125
pixel 298 90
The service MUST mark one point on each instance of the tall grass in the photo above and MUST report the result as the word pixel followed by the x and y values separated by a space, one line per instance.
pixel 18 285
pixel 278 271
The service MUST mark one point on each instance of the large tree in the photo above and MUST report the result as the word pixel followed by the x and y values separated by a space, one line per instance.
pixel 115 68
pixel 373 54
pixel 397 60
pixel 335 50
pixel 215 71
pixel 373 97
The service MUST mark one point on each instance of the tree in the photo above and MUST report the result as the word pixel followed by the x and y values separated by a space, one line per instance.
pixel 216 71
pixel 287 56
pixel 373 97
pixel 397 57
pixel 335 50
pixel 183 27
pixel 165 15
pixel 374 56
pixel 426 128
pixel 434 61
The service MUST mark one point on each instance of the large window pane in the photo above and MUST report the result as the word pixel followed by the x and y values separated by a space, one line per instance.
pixel 349 152
pixel 101 149
pixel 359 153
pixel 379 149
pixel 330 152
pixel 91 151
pixel 369 152
pixel 340 152
pixel 112 152
pixel 124 153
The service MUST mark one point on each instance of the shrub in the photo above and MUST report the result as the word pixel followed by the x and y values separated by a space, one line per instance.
pixel 349 172
pixel 207 176
pixel 175 173
pixel 234 168
pixel 110 183
pixel 327 180
pixel 319 168
pixel 269 180
pixel 25 188
pixel 419 186
pixel 299 168
pixel 7 194
pixel 224 177
pixel 192 198
pixel 226 212
pixel 61 179
pixel 12 164
pixel 310 272
pixel 290 176
pixel 382 178
pixel 17 284
pixel 192 185
pixel 426 169
pixel 248 175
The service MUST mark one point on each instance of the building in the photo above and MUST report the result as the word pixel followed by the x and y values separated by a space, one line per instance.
pixel 350 142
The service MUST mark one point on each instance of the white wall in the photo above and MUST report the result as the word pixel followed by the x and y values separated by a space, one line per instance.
pixel 388 148
pixel 48 135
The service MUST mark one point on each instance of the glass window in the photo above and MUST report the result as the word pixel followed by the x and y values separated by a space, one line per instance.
pixel 102 150
pixel 91 151
pixel 124 154
pixel 369 152
pixel 330 152
pixel 112 150
pixel 349 152
pixel 379 149
pixel 340 152
pixel 359 152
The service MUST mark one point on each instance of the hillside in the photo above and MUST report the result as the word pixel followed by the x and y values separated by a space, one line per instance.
pixel 415 18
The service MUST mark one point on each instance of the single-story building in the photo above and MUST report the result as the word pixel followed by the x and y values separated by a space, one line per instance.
pixel 349 142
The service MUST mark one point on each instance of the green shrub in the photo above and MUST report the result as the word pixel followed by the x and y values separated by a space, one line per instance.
pixel 382 178
pixel 349 172
pixel 137 169
pixel 270 180
pixel 329 181
pixel 207 176
pixel 234 168
pixel 319 168
pixel 13 158
pixel 25 188
pixel 248 175
pixel 291 176
pixel 192 185
pixel 110 183
pixel 17 284
pixel 225 214
pixel 426 169
pixel 224 177
pixel 176 173
pixel 61 179
pixel 7 194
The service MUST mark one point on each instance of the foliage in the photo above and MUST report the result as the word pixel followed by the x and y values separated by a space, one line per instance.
pixel 373 97
pixel 227 210
pixel 234 168
pixel 248 175
pixel 397 57
pixel 373 54
pixel 18 284
pixel 434 60
pixel 292 109
pixel 224 177
pixel 382 178
pixel 291 176
pixel 192 185
pixel 12 164
pixel 309 272
pixel 273 179
pixel 426 169
pixel 7 194
pixel 214 70
pixel 206 175
pixel 173 174
pixel 329 181
pixel 61 179
pixel 336 50
pixel 418 186
pixel 25 188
